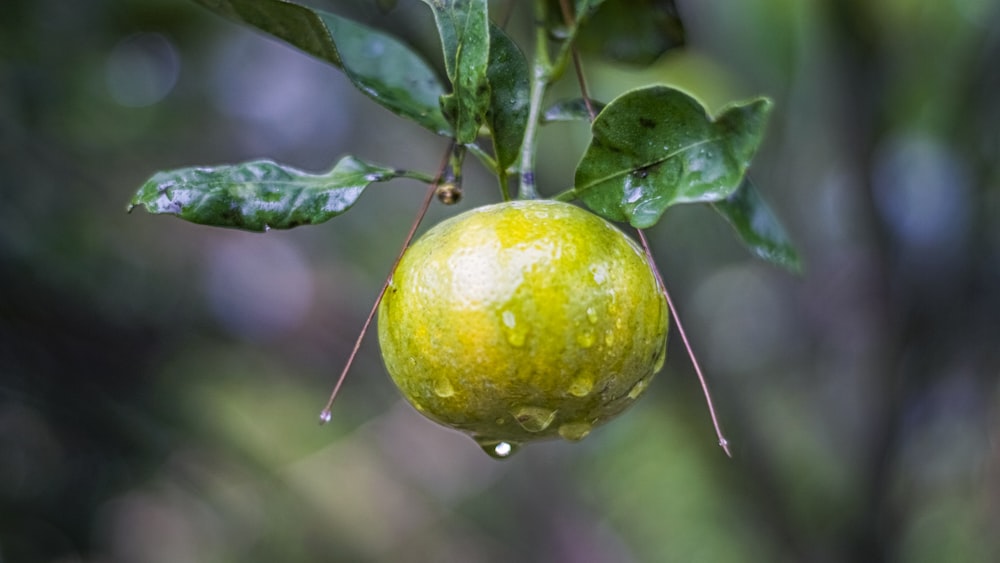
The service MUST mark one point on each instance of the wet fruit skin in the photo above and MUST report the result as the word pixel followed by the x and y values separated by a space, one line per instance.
pixel 522 321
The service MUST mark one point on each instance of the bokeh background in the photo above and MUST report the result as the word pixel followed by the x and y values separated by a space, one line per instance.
pixel 160 381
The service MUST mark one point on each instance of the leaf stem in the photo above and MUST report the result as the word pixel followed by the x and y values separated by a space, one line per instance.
pixel 488 161
pixel 565 195
pixel 723 442
pixel 416 175
pixel 325 415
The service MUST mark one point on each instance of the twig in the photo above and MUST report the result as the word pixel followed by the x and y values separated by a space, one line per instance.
pixel 567 14
pixel 578 67
pixel 325 415
pixel 723 442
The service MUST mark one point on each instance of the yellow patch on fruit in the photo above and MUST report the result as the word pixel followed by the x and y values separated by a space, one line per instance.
pixel 523 321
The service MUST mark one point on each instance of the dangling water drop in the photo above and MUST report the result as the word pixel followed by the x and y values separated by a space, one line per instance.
pixel 325 417
pixel 574 431
pixel 592 315
pixel 443 387
pixel 534 419
pixel 498 449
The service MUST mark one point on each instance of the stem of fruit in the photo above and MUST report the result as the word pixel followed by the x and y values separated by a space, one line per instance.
pixel 539 79
pixel 544 72
pixel 541 74
pixel 325 415
pixel 723 442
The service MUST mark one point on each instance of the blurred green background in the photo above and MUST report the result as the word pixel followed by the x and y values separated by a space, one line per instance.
pixel 160 381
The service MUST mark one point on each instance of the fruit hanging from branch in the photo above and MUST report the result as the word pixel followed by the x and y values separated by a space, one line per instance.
pixel 532 318
pixel 523 321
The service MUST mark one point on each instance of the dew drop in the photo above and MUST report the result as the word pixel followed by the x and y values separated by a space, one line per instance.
pixel 592 315
pixel 516 333
pixel 661 357
pixel 582 385
pixel 534 419
pixel 638 388
pixel 325 417
pixel 600 273
pixel 443 387
pixel 609 338
pixel 498 449
pixel 585 338
pixel 509 320
pixel 574 431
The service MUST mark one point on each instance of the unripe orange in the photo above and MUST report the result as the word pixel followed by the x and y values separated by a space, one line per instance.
pixel 522 321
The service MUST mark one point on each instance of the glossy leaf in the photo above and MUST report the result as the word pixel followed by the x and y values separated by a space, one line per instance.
pixel 258 195
pixel 570 110
pixel 465 38
pixel 758 227
pixel 507 115
pixel 379 65
pixel 632 31
pixel 656 147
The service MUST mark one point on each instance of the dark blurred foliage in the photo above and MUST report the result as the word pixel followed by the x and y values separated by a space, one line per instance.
pixel 159 381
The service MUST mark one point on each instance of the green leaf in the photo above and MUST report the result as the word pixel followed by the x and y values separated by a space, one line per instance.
pixel 465 38
pixel 379 65
pixel 758 227
pixel 631 31
pixel 259 195
pixel 656 147
pixel 570 110
pixel 507 115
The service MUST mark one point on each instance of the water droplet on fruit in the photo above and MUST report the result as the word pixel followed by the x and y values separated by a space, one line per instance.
pixel 534 419
pixel 509 320
pixel 582 385
pixel 516 333
pixel 443 388
pixel 498 449
pixel 585 338
pixel 600 273
pixel 609 338
pixel 661 357
pixel 592 315
pixel 574 431
pixel 638 388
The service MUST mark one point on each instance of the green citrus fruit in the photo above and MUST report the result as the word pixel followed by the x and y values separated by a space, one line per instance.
pixel 523 321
